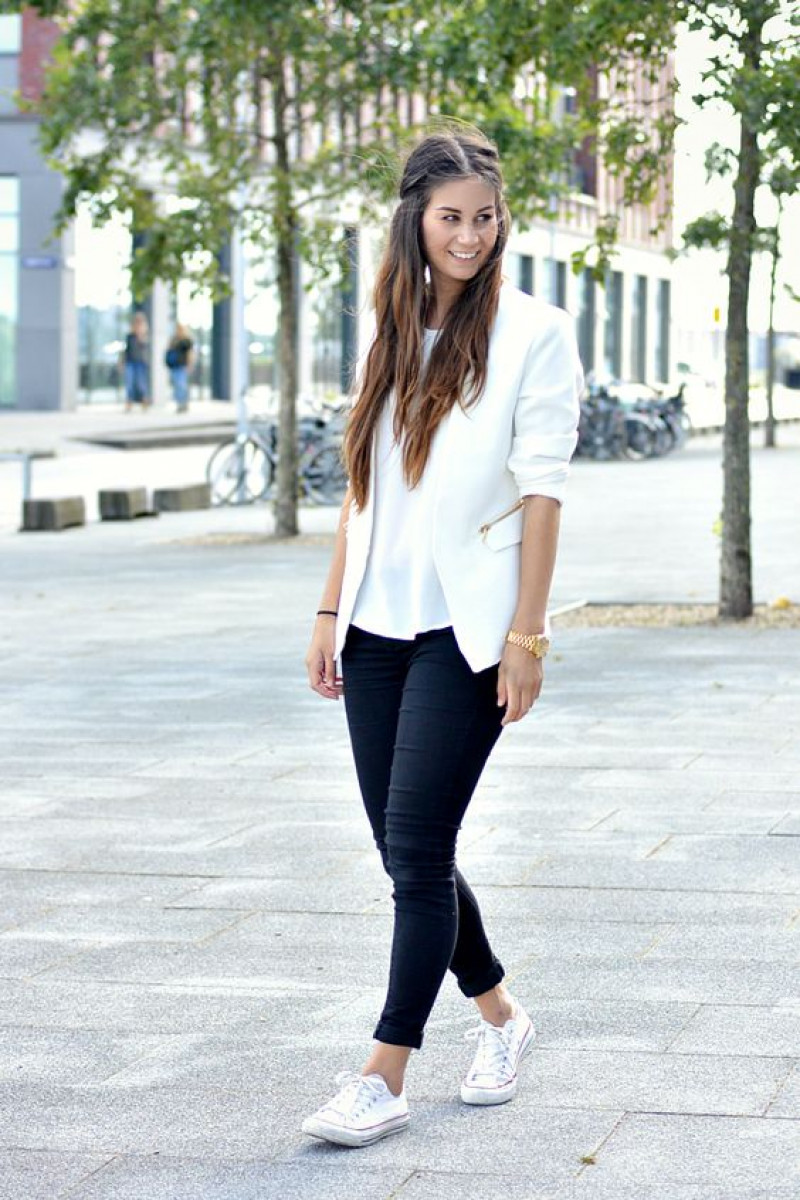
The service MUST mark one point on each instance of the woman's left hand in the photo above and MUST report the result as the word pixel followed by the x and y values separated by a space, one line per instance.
pixel 519 682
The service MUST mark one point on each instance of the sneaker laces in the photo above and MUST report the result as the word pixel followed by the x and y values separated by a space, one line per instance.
pixel 492 1052
pixel 356 1092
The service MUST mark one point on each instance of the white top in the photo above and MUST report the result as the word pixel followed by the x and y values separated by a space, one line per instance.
pixel 400 594
pixel 517 441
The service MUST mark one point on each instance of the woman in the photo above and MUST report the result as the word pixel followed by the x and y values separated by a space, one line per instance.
pixel 137 385
pixel 457 451
pixel 179 358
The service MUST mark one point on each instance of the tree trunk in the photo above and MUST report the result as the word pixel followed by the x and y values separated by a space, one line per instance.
pixel 285 228
pixel 736 587
pixel 769 428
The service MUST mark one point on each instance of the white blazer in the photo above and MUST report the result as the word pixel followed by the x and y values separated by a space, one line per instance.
pixel 516 441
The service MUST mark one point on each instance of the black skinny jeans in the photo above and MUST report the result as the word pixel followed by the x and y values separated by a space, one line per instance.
pixel 422 725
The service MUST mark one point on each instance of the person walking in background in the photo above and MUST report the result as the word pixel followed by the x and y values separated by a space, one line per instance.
pixel 135 359
pixel 179 358
pixel 457 450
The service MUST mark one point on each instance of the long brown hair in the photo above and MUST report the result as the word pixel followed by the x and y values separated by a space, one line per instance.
pixel 456 371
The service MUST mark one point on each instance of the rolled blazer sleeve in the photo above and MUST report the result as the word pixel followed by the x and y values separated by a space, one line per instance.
pixel 547 411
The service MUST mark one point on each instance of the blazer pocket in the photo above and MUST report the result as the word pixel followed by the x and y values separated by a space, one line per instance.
pixel 505 529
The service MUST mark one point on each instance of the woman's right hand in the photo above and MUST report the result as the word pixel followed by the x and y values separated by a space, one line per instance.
pixel 320 662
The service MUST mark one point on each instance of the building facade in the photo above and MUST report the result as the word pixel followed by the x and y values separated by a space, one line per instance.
pixel 38 325
pixel 59 348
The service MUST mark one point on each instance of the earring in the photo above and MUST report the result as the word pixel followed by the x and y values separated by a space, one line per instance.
pixel 427 275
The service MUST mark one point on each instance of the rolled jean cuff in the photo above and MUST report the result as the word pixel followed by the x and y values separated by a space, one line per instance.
pixel 476 984
pixel 395 1035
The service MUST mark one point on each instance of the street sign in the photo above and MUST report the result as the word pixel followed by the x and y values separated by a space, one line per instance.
pixel 39 262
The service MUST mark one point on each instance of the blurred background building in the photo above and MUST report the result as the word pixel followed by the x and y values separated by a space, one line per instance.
pixel 65 301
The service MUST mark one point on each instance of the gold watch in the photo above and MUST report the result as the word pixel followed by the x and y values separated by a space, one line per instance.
pixel 536 643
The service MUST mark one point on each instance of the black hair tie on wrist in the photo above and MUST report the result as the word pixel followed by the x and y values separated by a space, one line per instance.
pixel 326 612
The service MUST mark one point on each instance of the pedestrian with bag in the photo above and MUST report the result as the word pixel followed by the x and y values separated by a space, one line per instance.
pixel 179 358
pixel 457 450
pixel 135 360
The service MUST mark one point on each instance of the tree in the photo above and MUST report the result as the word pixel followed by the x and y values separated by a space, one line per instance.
pixel 253 113
pixel 217 97
pixel 250 112
pixel 755 70
pixel 783 182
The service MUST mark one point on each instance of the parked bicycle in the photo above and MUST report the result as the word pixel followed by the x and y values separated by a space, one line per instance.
pixel 601 430
pixel 631 421
pixel 242 469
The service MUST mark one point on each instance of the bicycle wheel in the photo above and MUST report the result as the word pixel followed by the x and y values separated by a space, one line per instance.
pixel 239 472
pixel 641 437
pixel 324 476
pixel 666 435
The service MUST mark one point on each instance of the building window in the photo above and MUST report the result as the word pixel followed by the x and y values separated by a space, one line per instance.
pixel 586 320
pixel 10 34
pixel 9 289
pixel 525 277
pixel 9 63
pixel 555 289
pixel 639 329
pixel 519 268
pixel 612 341
pixel 662 330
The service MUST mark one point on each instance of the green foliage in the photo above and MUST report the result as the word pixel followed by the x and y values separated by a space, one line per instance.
pixel 711 231
pixel 208 101
pixel 598 256
pixel 765 96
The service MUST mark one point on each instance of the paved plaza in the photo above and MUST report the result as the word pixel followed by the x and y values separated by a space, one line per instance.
pixel 194 924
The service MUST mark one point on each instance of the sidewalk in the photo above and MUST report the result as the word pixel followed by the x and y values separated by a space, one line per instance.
pixel 195 924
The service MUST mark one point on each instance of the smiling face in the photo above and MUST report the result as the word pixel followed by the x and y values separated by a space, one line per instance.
pixel 459 231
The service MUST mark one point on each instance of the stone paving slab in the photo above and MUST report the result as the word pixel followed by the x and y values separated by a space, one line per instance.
pixel 688 908
pixel 598 1187
pixel 744 1029
pixel 606 871
pixel 42 1174
pixel 93 887
pixel 557 938
pixel 704 784
pixel 331 893
pixel 732 943
pixel 733 798
pixel 196 919
pixel 178 1121
pixel 72 1057
pixel 787 1101
pixel 21 957
pixel 423 1185
pixel 451 1137
pixel 722 1158
pixel 679 979
pixel 124 924
pixel 128 1177
pixel 640 1082
pixel 604 1025
pixel 246 965
pixel 189 1008
pixel 628 819
pixel 788 826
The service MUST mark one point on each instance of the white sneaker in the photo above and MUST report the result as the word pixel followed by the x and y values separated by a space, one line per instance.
pixel 492 1078
pixel 364 1110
